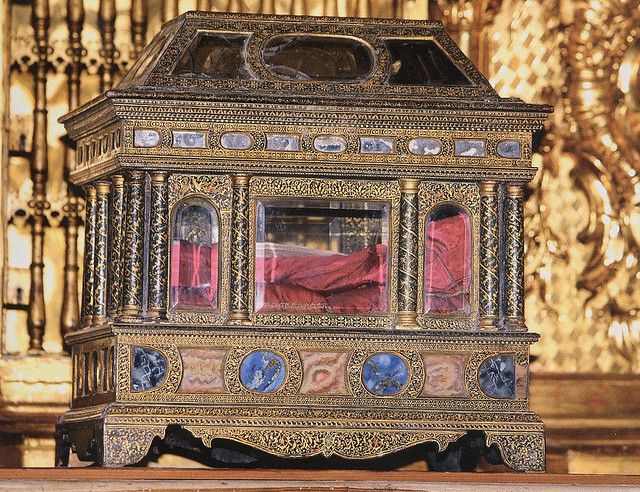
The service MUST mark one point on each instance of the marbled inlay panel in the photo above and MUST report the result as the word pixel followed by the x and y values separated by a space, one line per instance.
pixel 444 375
pixel 288 143
pixel 202 371
pixel 236 141
pixel 189 140
pixel 324 373
pixel 510 149
pixel 522 381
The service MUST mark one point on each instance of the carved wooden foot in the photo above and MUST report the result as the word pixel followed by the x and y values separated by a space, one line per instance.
pixel 521 451
pixel 63 447
pixel 127 445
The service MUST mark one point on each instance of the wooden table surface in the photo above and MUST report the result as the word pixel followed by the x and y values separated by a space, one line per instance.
pixel 165 479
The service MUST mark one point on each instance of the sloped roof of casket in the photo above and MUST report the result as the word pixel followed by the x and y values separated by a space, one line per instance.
pixel 390 63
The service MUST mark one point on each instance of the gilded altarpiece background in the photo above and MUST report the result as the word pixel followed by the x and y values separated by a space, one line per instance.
pixel 582 210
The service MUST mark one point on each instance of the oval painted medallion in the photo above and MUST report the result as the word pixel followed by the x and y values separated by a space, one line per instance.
pixel 236 141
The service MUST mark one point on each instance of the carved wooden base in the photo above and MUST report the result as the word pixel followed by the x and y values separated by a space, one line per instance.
pixel 521 451
pixel 299 393
pixel 123 435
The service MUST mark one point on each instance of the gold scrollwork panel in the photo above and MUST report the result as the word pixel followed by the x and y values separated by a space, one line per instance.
pixel 128 445
pixel 521 451
pixel 309 442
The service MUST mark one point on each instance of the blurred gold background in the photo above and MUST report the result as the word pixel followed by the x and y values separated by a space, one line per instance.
pixel 583 210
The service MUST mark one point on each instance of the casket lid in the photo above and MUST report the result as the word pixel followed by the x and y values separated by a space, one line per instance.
pixel 269 58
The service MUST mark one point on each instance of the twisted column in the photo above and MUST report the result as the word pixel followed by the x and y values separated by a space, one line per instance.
pixel 240 250
pixel 158 241
pixel 133 250
pixel 514 258
pixel 489 256
pixel 103 189
pixel 408 254
pixel 116 237
pixel 89 254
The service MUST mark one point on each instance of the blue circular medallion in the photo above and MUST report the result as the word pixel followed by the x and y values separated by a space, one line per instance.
pixel 263 371
pixel 385 374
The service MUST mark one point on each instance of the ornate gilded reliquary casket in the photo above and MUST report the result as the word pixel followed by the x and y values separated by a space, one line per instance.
pixel 304 235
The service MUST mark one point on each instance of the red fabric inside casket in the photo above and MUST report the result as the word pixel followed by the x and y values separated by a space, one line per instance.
pixel 354 283
pixel 447 264
pixel 194 274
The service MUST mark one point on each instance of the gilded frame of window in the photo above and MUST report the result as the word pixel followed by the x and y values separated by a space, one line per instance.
pixel 334 189
pixel 216 190
pixel 433 194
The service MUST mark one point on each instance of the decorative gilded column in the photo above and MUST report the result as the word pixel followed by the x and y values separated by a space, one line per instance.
pixel 133 249
pixel 489 256
pixel 514 258
pixel 103 189
pixel 158 245
pixel 116 237
pixel 267 6
pixel 69 314
pixel 89 254
pixel 139 14
pixel 36 317
pixel 107 25
pixel 408 254
pixel 240 250
pixel 169 10
pixel 362 8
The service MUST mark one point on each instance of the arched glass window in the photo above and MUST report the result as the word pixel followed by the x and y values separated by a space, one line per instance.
pixel 447 264
pixel 194 255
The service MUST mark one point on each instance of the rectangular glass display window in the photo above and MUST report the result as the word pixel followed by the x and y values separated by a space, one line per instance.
pixel 321 256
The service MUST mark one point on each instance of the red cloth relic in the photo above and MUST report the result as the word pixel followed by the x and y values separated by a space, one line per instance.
pixel 447 264
pixel 194 274
pixel 354 283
